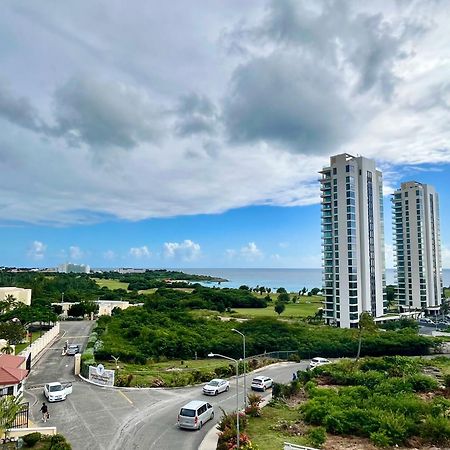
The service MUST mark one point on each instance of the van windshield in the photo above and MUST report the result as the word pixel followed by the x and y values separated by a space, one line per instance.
pixel 187 412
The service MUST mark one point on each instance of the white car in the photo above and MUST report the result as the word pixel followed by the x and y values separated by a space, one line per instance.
pixel 261 383
pixel 56 392
pixel 317 362
pixel 216 386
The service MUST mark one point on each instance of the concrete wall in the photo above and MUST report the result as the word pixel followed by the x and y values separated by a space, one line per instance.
pixel 21 295
pixel 19 432
pixel 40 344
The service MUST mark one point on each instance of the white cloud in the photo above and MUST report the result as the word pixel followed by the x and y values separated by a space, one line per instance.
pixel 251 252
pixel 384 64
pixel 140 252
pixel 230 253
pixel 37 250
pixel 109 255
pixel 186 250
pixel 445 256
pixel 389 255
pixel 75 252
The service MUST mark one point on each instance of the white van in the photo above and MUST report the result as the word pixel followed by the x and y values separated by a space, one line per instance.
pixel 195 414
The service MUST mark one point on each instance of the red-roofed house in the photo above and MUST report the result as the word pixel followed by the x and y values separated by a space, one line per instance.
pixel 12 374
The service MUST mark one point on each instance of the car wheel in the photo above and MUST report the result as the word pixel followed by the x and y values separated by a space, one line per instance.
pixel 212 415
pixel 200 426
pixel 228 388
pixel 215 393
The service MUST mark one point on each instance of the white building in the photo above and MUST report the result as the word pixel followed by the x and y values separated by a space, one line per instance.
pixel 73 268
pixel 415 218
pixel 352 240
pixel 20 294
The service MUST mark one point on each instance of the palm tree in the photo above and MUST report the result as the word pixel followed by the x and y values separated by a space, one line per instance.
pixel 367 323
pixel 10 406
pixel 8 349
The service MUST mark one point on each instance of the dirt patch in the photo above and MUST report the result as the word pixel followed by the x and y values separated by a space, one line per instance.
pixel 356 443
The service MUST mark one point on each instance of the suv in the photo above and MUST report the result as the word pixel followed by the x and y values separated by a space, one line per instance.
pixel 261 383
pixel 73 349
pixel 194 414
pixel 317 362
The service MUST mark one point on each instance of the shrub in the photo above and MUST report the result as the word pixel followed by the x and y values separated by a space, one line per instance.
pixel 253 409
pixel 32 438
pixel 316 436
pixel 380 439
pixel 435 430
pixel 423 383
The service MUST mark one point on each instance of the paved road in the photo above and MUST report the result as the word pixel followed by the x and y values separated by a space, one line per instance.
pixel 112 419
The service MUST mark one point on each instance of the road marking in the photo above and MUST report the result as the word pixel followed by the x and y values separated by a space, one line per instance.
pixel 120 392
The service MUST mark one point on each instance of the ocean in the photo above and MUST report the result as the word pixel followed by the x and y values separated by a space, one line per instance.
pixel 292 280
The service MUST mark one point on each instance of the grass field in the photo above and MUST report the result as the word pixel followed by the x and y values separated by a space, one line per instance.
pixel 306 307
pixel 24 345
pixel 172 373
pixel 111 284
pixel 447 293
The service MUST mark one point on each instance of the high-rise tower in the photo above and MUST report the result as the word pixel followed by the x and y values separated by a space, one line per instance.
pixel 352 240
pixel 415 218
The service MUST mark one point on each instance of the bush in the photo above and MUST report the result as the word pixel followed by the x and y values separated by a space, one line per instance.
pixel 32 438
pixel 316 436
pixel 380 439
pixel 436 430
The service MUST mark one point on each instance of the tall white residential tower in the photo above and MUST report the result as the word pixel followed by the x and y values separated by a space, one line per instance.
pixel 352 240
pixel 415 219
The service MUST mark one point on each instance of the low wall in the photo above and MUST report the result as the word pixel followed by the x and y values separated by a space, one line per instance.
pixel 19 432
pixel 40 344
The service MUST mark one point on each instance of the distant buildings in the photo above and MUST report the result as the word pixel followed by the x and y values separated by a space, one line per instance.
pixel 352 240
pixel 73 268
pixel 415 219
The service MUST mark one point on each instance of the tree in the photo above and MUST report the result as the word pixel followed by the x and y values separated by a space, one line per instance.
pixel 262 290
pixel 90 307
pixel 280 290
pixel 76 310
pixel 390 295
pixel 279 307
pixel 269 290
pixel 8 303
pixel 366 323
pixel 244 287
pixel 294 299
pixel 304 290
pixel 13 332
pixel 10 406
pixel 315 291
pixel 284 297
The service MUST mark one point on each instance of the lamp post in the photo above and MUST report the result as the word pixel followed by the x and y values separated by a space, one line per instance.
pixel 245 379
pixel 212 355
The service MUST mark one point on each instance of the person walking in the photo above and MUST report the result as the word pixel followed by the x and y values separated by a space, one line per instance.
pixel 45 414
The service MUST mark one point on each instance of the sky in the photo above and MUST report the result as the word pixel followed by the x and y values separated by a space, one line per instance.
pixel 144 134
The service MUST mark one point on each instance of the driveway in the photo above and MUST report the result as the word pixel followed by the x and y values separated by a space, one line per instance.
pixel 110 418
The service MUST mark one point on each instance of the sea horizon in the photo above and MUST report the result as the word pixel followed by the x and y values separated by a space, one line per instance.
pixel 292 280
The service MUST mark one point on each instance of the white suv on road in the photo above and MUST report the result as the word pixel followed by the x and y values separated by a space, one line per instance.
pixel 261 383
pixel 317 362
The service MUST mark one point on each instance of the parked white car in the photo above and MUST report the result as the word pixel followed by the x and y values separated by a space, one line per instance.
pixel 261 383
pixel 56 392
pixel 216 386
pixel 317 362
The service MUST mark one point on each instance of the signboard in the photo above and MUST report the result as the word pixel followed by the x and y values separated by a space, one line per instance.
pixel 102 376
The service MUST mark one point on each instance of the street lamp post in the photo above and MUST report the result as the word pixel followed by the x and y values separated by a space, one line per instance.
pixel 212 355
pixel 245 379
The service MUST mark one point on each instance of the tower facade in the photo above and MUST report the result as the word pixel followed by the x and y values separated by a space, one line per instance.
pixel 415 217
pixel 352 240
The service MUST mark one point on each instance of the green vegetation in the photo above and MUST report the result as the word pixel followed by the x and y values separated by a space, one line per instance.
pixel 307 306
pixel 389 401
pixel 111 284
pixel 166 327
pixel 40 441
